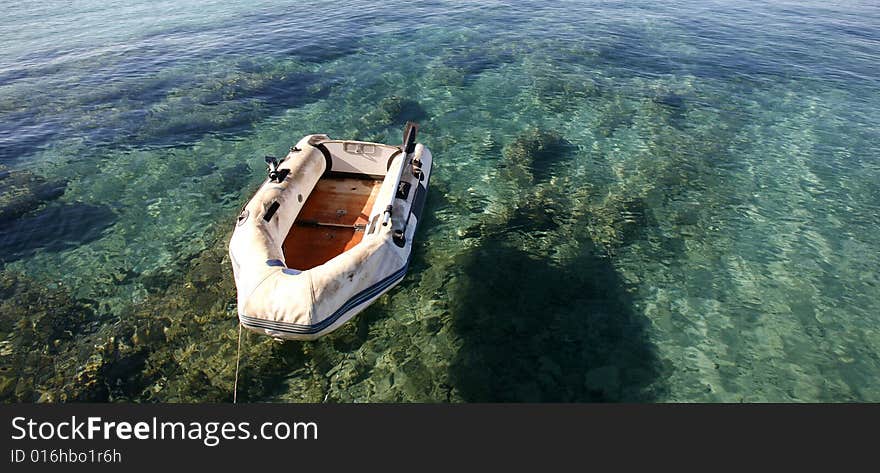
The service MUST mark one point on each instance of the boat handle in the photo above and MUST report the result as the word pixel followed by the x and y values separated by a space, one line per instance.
pixel 387 216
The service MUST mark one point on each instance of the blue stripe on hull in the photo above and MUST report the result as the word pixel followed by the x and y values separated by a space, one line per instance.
pixel 303 329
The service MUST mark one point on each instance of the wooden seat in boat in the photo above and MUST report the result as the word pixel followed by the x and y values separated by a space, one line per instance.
pixel 332 221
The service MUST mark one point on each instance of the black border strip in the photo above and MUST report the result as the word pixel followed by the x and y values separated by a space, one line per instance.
pixel 327 158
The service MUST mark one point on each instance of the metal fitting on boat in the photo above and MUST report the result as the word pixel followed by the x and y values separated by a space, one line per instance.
pixel 399 238
pixel 274 174
pixel 417 168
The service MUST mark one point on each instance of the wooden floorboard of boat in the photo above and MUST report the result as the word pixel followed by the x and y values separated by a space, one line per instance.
pixel 337 201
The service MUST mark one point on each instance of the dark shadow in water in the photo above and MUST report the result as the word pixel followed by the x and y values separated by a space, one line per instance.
pixel 55 228
pixel 144 112
pixel 191 120
pixel 472 62
pixel 23 134
pixel 322 51
pixel 535 331
pixel 408 110
pixel 393 111
pixel 22 192
pixel 535 156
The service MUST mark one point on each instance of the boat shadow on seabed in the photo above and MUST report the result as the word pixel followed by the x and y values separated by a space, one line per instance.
pixel 542 314
pixel 535 331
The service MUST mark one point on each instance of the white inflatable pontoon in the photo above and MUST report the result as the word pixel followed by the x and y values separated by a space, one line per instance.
pixel 329 232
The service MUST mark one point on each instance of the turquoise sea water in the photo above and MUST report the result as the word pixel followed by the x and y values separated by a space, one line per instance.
pixel 630 201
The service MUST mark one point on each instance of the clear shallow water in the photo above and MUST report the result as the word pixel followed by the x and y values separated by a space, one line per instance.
pixel 630 201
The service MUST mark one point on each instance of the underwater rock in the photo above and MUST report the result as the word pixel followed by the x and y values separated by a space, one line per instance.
pixel 22 192
pixel 473 230
pixel 631 221
pixel 226 105
pixel 619 221
pixel 177 345
pixel 535 215
pixel 289 89
pixel 445 76
pixel 536 200
pixel 394 110
pixel 320 52
pixel 40 328
pixel 671 100
pixel 7 387
pixel 561 95
pixel 351 335
pixel 187 337
pixel 575 53
pixel 475 61
pixel 402 110
pixel 151 332
pixel 55 228
pixel 535 156
pixel 616 113
pixel 674 108
pixel 688 214
pixel 234 178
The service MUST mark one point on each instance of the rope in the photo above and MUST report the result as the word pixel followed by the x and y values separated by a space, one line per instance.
pixel 237 360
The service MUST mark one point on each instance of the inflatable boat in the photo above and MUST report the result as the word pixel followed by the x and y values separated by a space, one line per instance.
pixel 329 232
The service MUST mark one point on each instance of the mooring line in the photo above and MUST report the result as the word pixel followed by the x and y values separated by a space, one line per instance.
pixel 237 360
